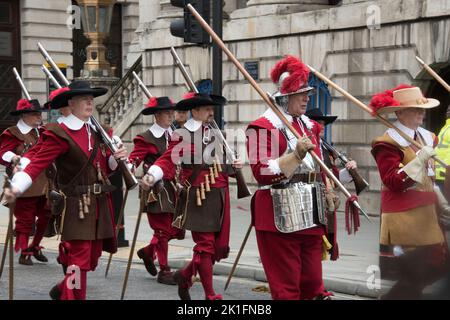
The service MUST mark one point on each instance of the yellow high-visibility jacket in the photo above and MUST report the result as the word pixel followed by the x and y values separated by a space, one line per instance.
pixel 443 150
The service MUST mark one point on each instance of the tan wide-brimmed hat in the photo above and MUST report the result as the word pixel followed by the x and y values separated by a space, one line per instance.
pixel 402 97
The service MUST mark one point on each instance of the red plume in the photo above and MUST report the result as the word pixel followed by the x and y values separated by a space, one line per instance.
pixel 56 92
pixel 23 104
pixel 386 98
pixel 298 74
pixel 188 95
pixel 152 102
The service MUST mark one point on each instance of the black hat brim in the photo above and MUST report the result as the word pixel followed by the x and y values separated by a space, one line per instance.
pixel 326 119
pixel 62 100
pixel 200 101
pixel 153 110
pixel 37 108
pixel 19 112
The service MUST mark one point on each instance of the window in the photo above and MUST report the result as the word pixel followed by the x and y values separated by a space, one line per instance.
pixel 320 98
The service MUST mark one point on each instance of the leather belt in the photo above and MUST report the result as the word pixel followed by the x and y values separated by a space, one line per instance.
pixel 94 189
pixel 309 177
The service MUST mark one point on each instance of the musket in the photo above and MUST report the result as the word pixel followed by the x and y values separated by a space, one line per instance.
pixel 22 85
pixel 50 76
pixel 142 85
pixel 269 102
pixel 242 188
pixel 130 180
pixel 358 180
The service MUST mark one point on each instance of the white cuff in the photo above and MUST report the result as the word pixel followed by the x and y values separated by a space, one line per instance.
pixel 156 172
pixel 8 155
pixel 274 167
pixel 24 162
pixel 22 181
pixel 344 176
pixel 112 163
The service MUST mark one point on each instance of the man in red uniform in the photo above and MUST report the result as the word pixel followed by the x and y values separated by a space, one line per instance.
pixel 413 249
pixel 82 162
pixel 288 209
pixel 204 202
pixel 159 204
pixel 14 143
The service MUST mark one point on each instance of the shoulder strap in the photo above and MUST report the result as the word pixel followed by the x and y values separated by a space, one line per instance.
pixel 89 161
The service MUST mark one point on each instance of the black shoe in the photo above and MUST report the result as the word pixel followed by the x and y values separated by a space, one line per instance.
pixel 38 255
pixel 148 262
pixel 183 285
pixel 55 293
pixel 25 259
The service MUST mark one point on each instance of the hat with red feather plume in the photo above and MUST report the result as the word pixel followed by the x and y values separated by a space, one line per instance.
pixel 27 106
pixel 291 76
pixel 401 97
pixel 157 104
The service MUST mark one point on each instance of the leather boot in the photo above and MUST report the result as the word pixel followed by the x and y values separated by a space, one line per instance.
pixel 183 285
pixel 148 262
pixel 55 292
pixel 166 277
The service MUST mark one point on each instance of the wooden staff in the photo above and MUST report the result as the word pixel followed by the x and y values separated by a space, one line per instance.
pixel 238 256
pixel 11 251
pixel 382 119
pixel 122 208
pixel 5 250
pixel 434 74
pixel 130 257
pixel 269 102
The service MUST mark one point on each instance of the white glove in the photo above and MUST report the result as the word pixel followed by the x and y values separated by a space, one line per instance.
pixel 417 168
pixel 426 153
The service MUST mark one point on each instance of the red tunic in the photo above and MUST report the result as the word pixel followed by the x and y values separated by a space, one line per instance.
pixel 395 196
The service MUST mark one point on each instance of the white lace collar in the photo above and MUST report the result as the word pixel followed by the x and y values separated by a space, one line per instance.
pixel 270 115
pixel 192 124
pixel 74 123
pixel 158 131
pixel 23 127
pixel 425 134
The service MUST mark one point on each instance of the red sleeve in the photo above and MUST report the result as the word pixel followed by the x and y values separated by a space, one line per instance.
pixel 388 159
pixel 259 153
pixel 51 148
pixel 7 143
pixel 141 150
pixel 34 149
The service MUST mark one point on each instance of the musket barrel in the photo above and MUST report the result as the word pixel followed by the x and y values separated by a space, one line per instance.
pixel 22 85
pixel 142 85
pixel 51 77
pixel 52 63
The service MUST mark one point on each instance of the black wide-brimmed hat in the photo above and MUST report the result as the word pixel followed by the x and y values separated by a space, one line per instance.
pixel 157 104
pixel 27 106
pixel 317 115
pixel 50 104
pixel 192 100
pixel 77 88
